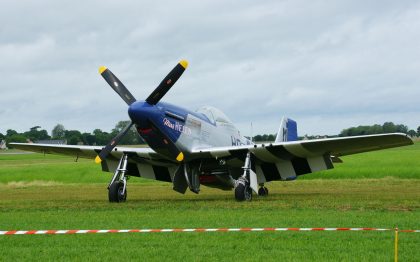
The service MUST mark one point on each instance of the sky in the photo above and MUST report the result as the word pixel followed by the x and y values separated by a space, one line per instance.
pixel 329 65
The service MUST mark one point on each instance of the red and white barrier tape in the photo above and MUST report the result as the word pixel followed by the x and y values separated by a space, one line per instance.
pixel 245 229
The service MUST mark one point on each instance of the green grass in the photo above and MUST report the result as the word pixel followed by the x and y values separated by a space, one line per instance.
pixel 378 189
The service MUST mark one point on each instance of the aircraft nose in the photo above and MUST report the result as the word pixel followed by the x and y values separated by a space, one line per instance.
pixel 138 111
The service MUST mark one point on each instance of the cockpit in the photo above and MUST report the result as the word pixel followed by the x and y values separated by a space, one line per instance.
pixel 214 115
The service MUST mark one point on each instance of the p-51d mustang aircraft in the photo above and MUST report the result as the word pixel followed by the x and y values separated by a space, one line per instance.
pixel 203 147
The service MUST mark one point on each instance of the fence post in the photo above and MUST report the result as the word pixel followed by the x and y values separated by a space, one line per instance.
pixel 396 245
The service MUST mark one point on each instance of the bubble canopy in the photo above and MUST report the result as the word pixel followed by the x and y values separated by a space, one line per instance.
pixel 213 114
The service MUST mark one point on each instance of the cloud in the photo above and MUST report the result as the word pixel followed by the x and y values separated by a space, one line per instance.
pixel 327 64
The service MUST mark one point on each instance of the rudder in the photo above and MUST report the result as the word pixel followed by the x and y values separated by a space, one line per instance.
pixel 287 130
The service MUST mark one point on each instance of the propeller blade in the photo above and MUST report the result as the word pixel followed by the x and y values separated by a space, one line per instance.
pixel 167 83
pixel 108 148
pixel 172 148
pixel 117 85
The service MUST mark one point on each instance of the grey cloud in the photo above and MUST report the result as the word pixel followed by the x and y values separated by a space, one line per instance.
pixel 337 63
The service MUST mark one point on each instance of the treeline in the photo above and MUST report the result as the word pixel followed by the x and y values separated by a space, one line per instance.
pixel 387 127
pixel 264 138
pixel 99 137
pixel 73 137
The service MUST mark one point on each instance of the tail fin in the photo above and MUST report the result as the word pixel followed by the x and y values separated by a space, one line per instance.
pixel 287 130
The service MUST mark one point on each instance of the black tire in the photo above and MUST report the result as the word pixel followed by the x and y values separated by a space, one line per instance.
pixel 248 193
pixel 243 192
pixel 266 191
pixel 262 192
pixel 240 192
pixel 115 192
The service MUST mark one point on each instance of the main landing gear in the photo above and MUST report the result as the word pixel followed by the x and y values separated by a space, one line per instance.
pixel 242 189
pixel 248 183
pixel 117 188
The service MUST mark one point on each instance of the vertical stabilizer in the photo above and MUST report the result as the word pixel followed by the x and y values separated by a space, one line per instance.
pixel 287 130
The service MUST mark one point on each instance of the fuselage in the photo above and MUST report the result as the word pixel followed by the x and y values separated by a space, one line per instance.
pixel 188 130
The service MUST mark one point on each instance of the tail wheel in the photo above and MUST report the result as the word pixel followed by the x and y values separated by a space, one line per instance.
pixel 263 191
pixel 266 191
pixel 115 192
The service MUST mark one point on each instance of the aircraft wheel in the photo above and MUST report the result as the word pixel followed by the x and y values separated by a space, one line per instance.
pixel 243 192
pixel 248 193
pixel 115 192
pixel 262 191
pixel 266 191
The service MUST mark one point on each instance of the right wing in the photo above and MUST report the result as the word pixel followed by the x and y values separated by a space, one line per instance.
pixel 143 162
pixel 85 151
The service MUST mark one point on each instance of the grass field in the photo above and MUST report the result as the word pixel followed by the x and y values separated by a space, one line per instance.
pixel 377 189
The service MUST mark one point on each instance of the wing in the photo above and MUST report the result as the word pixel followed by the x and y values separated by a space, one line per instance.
pixel 143 162
pixel 287 160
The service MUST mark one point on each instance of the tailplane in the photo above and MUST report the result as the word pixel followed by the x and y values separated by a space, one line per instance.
pixel 287 130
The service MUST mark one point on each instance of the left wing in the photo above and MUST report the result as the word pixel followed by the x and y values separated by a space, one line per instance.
pixel 286 160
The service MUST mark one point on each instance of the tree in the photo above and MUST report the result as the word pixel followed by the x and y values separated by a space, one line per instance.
pixel 376 129
pixel 402 129
pixel 73 137
pixel 89 139
pixel 17 138
pixel 264 138
pixel 389 127
pixel 412 133
pixel 10 132
pixel 34 134
pixel 58 132
pixel 418 131
pixel 73 140
pixel 102 138
pixel 1 136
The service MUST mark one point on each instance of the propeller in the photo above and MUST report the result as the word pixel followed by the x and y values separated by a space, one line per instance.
pixel 153 99
pixel 117 85
pixel 108 148
pixel 167 83
pixel 170 145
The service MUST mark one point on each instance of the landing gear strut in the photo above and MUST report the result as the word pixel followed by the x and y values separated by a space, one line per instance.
pixel 247 183
pixel 117 188
pixel 243 187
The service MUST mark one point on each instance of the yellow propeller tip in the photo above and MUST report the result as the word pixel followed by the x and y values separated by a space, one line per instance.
pixel 102 69
pixel 180 157
pixel 184 63
pixel 98 160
